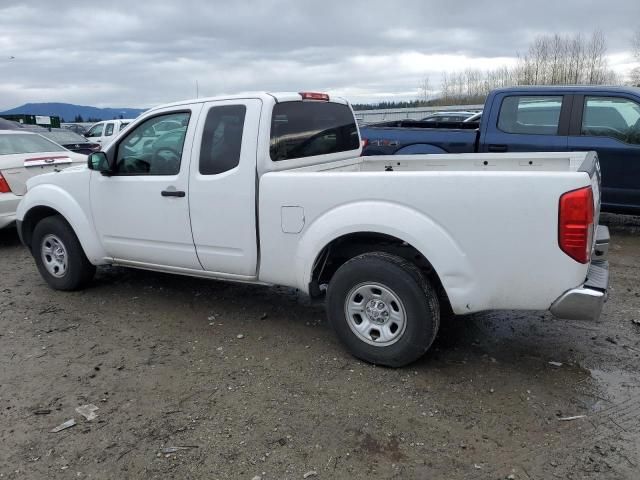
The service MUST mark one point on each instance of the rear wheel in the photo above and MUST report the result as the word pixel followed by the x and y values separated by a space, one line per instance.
pixel 59 255
pixel 383 309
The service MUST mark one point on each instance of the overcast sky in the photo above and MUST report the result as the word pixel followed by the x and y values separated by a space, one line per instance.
pixel 142 53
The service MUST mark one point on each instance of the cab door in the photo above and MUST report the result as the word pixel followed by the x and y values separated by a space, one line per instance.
pixel 141 211
pixel 222 187
pixel 610 125
pixel 527 122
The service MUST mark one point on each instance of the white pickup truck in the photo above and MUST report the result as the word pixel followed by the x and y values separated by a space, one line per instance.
pixel 271 189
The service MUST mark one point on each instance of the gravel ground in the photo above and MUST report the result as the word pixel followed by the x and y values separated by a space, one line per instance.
pixel 252 382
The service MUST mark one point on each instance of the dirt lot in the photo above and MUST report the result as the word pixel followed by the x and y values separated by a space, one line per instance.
pixel 253 379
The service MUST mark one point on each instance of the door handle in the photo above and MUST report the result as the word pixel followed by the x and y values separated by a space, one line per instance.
pixel 497 148
pixel 172 193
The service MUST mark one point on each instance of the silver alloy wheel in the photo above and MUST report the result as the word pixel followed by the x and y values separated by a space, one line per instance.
pixel 54 255
pixel 375 314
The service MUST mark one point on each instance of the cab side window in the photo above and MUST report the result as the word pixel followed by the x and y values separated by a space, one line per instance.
pixel 613 117
pixel 145 151
pixel 222 139
pixel 109 130
pixel 530 115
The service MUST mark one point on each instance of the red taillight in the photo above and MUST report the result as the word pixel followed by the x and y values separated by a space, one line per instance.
pixel 4 186
pixel 314 96
pixel 575 224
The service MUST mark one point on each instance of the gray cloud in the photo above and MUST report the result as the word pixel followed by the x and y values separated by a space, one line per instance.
pixel 144 53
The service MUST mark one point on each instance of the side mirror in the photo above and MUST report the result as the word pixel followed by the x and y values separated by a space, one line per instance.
pixel 86 134
pixel 99 162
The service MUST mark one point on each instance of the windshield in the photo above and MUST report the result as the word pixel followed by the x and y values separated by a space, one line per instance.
pixel 12 143
pixel 64 137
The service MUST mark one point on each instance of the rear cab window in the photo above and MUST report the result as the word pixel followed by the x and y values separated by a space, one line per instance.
pixel 530 114
pixel 308 128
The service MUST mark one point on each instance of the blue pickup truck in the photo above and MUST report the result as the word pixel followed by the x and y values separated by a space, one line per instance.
pixel 532 119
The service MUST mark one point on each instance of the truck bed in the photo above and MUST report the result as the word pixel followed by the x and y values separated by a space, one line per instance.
pixel 408 137
pixel 481 219
pixel 472 162
pixel 420 124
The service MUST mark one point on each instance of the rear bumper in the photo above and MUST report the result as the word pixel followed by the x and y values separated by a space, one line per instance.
pixel 7 220
pixel 601 250
pixel 586 301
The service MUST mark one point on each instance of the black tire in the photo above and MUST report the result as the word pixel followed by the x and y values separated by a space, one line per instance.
pixel 79 271
pixel 419 300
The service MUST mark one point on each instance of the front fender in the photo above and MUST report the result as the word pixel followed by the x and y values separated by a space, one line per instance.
pixel 399 221
pixel 58 199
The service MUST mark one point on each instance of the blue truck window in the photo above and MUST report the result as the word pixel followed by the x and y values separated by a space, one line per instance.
pixel 530 115
pixel 613 117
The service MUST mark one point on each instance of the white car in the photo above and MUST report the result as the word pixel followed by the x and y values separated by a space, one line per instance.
pixel 104 132
pixel 271 189
pixel 23 155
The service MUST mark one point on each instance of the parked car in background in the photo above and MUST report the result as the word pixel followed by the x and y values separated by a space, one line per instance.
pixel 529 119
pixel 104 132
pixel 9 124
pixel 447 117
pixel 272 189
pixel 24 154
pixel 71 141
pixel 474 118
pixel 74 127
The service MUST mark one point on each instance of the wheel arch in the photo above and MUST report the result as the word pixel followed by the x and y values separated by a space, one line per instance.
pixel 346 247
pixel 46 200
pixel 420 148
pixel 31 218
pixel 399 230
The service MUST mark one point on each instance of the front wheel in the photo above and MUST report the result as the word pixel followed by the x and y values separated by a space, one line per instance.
pixel 59 255
pixel 383 309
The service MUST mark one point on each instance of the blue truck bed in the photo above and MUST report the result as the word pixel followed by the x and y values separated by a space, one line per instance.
pixel 530 119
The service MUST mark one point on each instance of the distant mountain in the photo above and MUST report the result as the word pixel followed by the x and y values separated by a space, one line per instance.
pixel 69 112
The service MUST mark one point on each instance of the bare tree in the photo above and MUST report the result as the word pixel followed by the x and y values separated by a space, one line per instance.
pixel 549 60
pixel 425 89
pixel 635 73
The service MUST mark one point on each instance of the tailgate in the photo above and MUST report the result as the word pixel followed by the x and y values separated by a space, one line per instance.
pixel 591 166
pixel 22 167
